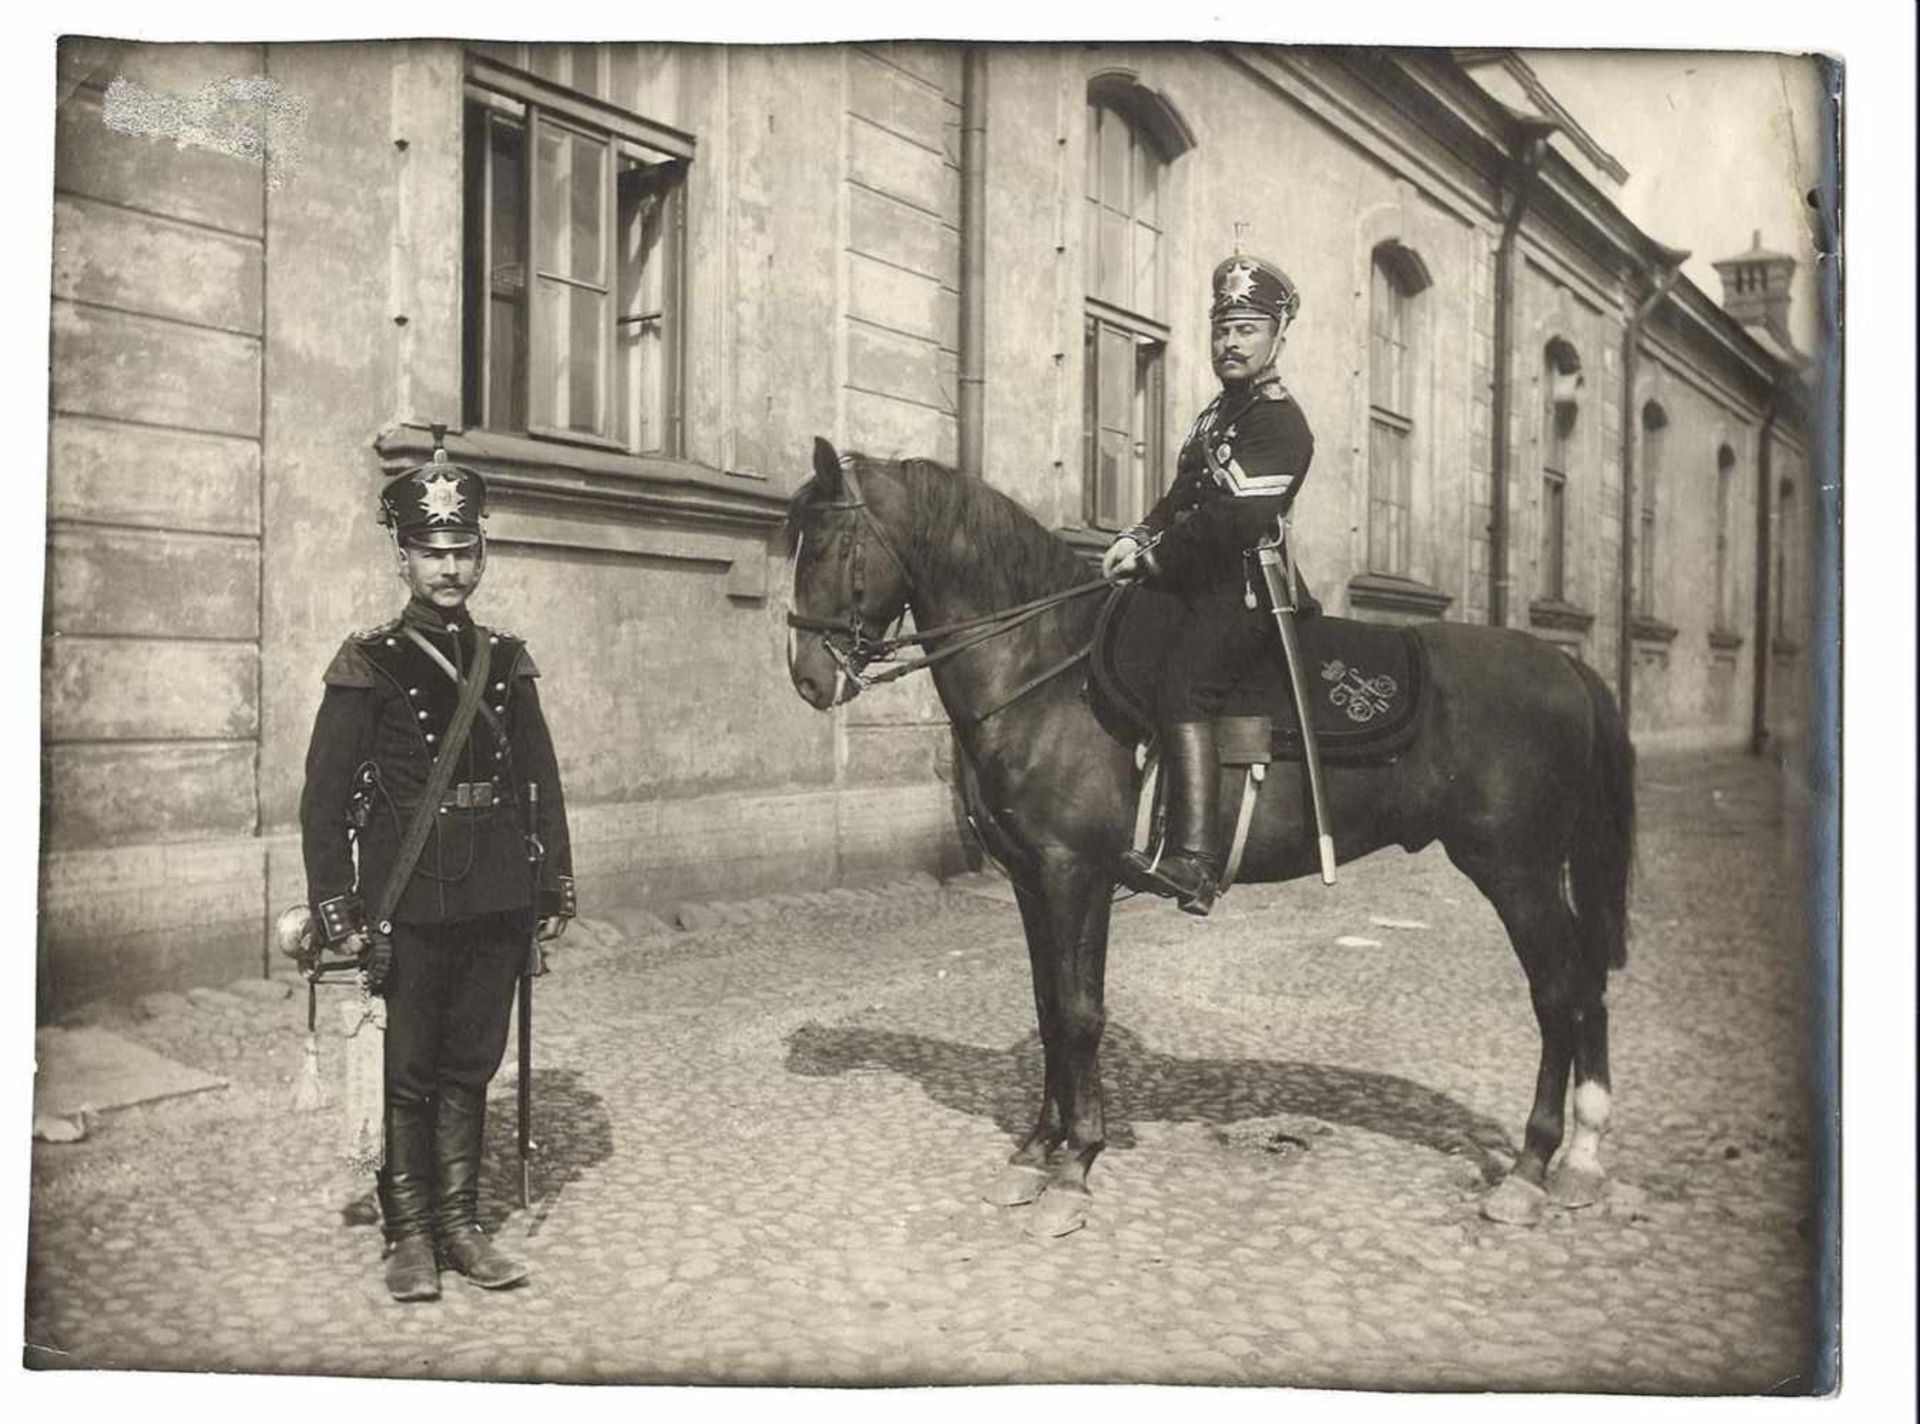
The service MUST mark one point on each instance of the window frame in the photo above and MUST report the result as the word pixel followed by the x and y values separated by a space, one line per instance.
pixel 1147 330
pixel 1392 266
pixel 1654 423
pixel 530 100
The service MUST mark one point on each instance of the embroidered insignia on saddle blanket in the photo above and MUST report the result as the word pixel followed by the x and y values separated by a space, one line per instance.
pixel 1365 680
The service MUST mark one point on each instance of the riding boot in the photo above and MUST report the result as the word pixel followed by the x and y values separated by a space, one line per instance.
pixel 459 1135
pixel 1187 868
pixel 406 1201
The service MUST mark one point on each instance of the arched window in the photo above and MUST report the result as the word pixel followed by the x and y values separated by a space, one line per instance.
pixel 1126 326
pixel 1560 413
pixel 1722 551
pixel 1653 441
pixel 1397 279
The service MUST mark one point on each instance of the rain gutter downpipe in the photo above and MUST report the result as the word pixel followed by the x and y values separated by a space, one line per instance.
pixel 1529 151
pixel 1763 569
pixel 973 259
pixel 1670 259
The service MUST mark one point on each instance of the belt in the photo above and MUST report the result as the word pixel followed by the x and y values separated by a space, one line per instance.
pixel 472 795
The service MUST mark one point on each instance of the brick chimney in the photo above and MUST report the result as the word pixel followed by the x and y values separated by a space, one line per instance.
pixel 1755 288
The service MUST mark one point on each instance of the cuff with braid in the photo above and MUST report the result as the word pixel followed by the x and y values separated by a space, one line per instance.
pixel 339 917
pixel 557 900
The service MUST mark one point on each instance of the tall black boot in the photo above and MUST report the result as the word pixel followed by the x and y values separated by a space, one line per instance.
pixel 406 1202
pixel 1188 866
pixel 459 1136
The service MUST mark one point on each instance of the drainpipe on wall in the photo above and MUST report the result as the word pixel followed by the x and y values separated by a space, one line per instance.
pixel 1763 571
pixel 973 258
pixel 1529 151
pixel 1670 260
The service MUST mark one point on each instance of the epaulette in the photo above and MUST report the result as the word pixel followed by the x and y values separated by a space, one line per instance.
pixel 350 666
pixel 374 634
pixel 1274 391
pixel 512 645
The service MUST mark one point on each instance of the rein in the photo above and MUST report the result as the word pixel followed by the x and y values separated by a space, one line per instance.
pixel 862 649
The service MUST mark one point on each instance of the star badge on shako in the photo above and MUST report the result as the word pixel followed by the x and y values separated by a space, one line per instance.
pixel 440 497
pixel 1238 286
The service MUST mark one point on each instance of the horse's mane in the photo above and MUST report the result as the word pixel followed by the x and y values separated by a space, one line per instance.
pixel 965 529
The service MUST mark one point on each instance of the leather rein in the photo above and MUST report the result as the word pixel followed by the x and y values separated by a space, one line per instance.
pixel 860 648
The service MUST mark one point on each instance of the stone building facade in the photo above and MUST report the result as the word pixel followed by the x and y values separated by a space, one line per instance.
pixel 636 280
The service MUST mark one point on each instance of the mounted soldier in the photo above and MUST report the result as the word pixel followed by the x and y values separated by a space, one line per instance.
pixel 1237 476
pixel 430 751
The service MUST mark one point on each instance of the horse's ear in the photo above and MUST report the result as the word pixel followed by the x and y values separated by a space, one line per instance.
pixel 826 468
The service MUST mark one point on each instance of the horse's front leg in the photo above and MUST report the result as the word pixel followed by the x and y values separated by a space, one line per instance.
pixel 1025 1176
pixel 1077 900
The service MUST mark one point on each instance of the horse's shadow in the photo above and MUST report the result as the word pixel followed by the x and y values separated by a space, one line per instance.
pixel 1004 1085
pixel 572 1134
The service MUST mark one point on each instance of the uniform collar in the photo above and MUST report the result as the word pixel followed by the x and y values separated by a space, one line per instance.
pixel 429 619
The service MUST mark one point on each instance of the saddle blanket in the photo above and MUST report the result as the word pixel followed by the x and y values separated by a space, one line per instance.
pixel 1365 681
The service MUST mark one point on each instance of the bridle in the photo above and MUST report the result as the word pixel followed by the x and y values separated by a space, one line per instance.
pixel 851 641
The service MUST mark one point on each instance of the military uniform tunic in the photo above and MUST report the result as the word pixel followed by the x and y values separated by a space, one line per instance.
pixel 1239 470
pixel 385 711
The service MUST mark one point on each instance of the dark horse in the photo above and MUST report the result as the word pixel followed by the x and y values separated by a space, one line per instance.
pixel 1520 767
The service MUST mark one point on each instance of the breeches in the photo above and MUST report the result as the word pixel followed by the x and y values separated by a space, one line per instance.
pixel 449 996
pixel 1218 638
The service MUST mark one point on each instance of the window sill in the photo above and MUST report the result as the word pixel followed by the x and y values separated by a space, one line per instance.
pixel 1397 594
pixel 1651 630
pixel 1558 613
pixel 1725 640
pixel 587 480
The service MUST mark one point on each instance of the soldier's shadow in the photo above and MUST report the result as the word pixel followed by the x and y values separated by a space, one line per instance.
pixel 1004 1085
pixel 572 1134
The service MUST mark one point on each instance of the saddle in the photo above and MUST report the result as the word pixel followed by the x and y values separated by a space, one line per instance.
pixel 1368 682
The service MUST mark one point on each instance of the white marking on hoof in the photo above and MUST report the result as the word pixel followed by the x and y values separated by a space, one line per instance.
pixel 1016 1186
pixel 1514 1203
pixel 1591 1108
pixel 1061 1212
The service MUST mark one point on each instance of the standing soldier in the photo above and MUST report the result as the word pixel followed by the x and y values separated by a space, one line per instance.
pixel 1238 473
pixel 447 900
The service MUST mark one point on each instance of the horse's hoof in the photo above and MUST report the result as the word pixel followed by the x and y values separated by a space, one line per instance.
pixel 1016 1186
pixel 1061 1212
pixel 1514 1203
pixel 1576 1186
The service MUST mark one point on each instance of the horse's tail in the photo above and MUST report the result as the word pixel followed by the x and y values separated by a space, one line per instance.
pixel 1602 858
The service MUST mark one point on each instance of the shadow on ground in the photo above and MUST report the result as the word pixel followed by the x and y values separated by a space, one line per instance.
pixel 1004 1085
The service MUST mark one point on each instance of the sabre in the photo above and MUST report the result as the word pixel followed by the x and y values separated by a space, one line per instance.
pixel 535 853
pixel 1277 569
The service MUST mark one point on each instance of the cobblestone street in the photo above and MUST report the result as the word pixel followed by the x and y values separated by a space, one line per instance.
pixel 763 1146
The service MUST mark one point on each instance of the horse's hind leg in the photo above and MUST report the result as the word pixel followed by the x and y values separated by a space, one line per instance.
pixel 1541 926
pixel 1578 1179
pixel 1025 1176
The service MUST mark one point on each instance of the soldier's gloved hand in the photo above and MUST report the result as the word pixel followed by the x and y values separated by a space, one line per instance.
pixel 375 953
pixel 551 927
pixel 1122 559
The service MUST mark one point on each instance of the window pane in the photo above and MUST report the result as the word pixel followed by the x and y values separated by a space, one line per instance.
pixel 572 324
pixel 545 60
pixel 586 69
pixel 641 336
pixel 1145 294
pixel 572 233
pixel 506 277
pixel 1112 284
pixel 1116 381
pixel 1115 156
pixel 1146 190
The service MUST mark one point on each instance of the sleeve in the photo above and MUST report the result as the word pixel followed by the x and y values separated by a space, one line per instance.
pixel 342 740
pixel 1268 465
pixel 534 761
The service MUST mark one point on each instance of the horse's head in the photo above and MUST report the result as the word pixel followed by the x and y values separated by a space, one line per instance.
pixel 850 582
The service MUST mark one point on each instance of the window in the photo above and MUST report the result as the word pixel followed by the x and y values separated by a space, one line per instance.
pixel 1722 560
pixel 1560 414
pixel 1126 331
pixel 1653 441
pixel 1394 286
pixel 1785 532
pixel 574 231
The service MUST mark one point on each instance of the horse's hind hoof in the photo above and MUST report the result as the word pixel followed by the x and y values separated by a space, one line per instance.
pixel 1576 1186
pixel 1016 1186
pixel 1061 1212
pixel 1514 1203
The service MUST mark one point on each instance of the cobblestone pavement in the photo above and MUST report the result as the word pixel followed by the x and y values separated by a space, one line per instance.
pixel 764 1145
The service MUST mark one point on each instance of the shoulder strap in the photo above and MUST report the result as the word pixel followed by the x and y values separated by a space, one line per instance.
pixel 436 787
